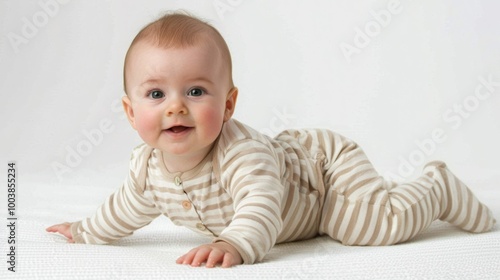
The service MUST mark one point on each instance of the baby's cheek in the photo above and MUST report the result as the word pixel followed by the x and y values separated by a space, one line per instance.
pixel 208 115
pixel 146 126
pixel 212 119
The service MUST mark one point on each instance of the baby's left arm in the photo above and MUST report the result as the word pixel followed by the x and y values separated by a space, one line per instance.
pixel 250 176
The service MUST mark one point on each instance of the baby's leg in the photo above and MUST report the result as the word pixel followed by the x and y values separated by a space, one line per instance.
pixel 361 208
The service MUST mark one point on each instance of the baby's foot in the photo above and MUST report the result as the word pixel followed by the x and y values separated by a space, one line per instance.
pixel 460 206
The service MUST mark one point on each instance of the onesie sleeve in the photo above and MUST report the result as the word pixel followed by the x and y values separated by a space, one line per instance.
pixel 124 211
pixel 250 174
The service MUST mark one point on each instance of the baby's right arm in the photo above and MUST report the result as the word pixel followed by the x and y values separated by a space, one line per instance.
pixel 121 214
pixel 64 229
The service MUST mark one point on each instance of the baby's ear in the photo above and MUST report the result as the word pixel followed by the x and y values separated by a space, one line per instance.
pixel 127 106
pixel 232 96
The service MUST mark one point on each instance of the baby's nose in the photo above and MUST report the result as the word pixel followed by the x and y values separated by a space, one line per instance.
pixel 176 106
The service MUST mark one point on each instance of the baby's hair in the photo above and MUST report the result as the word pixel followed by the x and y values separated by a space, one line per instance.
pixel 180 30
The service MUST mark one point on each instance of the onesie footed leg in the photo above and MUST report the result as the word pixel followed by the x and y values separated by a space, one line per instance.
pixel 458 205
pixel 362 208
pixel 367 210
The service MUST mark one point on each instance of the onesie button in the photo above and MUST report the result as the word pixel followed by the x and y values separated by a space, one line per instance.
pixel 186 204
pixel 201 226
pixel 178 181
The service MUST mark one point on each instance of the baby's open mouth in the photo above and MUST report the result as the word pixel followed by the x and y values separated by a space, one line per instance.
pixel 178 128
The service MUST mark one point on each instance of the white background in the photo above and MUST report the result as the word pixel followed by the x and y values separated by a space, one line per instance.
pixel 413 63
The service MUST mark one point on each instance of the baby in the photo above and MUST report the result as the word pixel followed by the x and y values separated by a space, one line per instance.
pixel 216 176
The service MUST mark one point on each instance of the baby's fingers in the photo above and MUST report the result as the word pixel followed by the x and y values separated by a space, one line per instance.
pixel 188 257
pixel 228 260
pixel 63 229
pixel 215 257
pixel 211 255
pixel 200 257
pixel 54 228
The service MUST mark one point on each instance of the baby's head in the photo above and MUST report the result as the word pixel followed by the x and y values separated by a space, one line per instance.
pixel 178 85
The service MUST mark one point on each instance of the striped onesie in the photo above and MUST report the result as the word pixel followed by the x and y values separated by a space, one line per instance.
pixel 253 191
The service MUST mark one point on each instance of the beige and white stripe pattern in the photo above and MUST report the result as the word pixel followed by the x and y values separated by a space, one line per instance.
pixel 361 208
pixel 253 192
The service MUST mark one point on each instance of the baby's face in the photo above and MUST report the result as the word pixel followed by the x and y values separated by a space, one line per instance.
pixel 178 98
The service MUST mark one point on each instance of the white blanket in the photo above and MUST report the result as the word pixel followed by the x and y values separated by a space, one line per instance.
pixel 440 252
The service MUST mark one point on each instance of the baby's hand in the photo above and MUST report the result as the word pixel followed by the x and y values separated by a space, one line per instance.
pixel 212 254
pixel 63 229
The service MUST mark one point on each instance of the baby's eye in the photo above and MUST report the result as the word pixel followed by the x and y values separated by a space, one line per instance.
pixel 195 92
pixel 156 94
